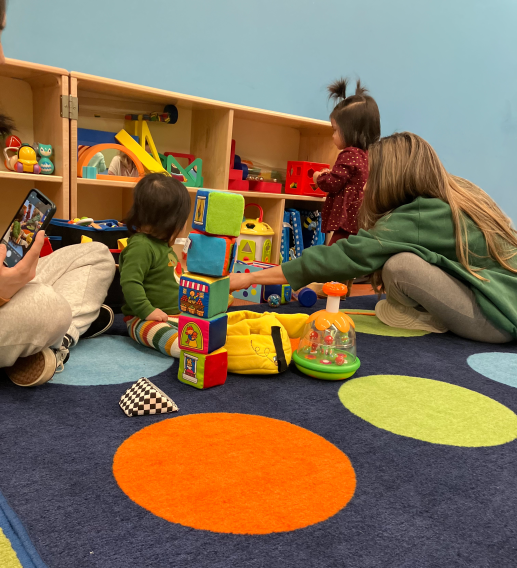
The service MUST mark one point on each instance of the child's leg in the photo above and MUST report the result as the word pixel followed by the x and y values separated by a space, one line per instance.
pixel 411 282
pixel 81 274
pixel 159 335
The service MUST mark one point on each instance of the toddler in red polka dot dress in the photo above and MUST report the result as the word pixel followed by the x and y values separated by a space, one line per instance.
pixel 357 124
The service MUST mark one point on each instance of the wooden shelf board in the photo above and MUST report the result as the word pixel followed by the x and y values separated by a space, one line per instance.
pixel 251 194
pixel 90 84
pixel 103 183
pixel 24 69
pixel 30 177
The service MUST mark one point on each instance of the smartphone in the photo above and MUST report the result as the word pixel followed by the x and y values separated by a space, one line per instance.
pixel 34 215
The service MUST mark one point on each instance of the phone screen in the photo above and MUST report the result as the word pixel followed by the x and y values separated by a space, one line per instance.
pixel 25 225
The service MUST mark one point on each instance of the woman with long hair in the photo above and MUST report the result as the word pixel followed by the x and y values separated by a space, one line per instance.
pixel 438 245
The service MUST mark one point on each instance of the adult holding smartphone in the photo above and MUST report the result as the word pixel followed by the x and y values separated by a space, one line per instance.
pixel 47 304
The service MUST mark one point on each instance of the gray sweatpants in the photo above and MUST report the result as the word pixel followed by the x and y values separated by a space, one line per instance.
pixel 413 282
pixel 64 298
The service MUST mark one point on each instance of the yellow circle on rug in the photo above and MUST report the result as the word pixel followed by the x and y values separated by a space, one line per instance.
pixel 234 473
pixel 428 410
pixel 374 326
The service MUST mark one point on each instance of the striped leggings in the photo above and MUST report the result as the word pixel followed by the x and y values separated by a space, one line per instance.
pixel 159 335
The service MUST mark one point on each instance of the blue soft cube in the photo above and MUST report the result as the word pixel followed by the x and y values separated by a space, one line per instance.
pixel 210 255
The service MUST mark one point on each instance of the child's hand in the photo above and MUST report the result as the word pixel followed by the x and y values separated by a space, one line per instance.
pixel 239 281
pixel 157 315
pixel 316 176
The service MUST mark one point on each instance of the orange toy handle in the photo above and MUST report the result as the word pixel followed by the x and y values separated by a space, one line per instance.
pixel 261 211
pixel 335 289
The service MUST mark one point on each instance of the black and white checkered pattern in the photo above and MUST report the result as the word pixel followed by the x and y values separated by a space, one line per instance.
pixel 146 398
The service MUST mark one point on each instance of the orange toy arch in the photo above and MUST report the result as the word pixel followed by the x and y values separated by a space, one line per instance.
pixel 85 157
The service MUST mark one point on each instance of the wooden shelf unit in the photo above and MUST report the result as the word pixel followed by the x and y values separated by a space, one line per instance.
pixel 31 95
pixel 205 128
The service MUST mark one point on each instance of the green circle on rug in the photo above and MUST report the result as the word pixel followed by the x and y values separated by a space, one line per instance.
pixel 374 326
pixel 428 410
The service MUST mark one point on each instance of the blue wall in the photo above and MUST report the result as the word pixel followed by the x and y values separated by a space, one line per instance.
pixel 444 69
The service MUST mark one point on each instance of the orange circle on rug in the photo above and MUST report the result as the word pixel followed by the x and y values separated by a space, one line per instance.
pixel 234 473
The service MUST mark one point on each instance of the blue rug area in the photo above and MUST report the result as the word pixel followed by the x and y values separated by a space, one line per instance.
pixel 415 503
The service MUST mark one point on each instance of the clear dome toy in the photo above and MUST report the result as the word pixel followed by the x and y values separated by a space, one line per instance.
pixel 327 349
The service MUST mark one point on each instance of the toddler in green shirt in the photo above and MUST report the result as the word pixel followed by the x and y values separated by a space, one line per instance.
pixel 161 208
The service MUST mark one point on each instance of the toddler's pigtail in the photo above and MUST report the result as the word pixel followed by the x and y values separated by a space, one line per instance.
pixel 337 90
pixel 360 90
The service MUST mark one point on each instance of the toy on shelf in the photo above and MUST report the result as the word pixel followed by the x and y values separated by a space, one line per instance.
pixel 44 151
pixel 168 116
pixel 265 173
pixel 255 239
pixel 192 175
pixel 27 161
pixel 23 158
pixel 205 288
pixel 238 172
pixel 327 349
pixel 263 186
pixel 306 297
pixel 210 255
pixel 274 301
pixel 89 172
pixel 13 141
pixel 10 159
pixel 299 180
pixel 86 156
pixel 218 212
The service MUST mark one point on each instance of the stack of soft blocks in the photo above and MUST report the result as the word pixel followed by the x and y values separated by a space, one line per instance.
pixel 205 288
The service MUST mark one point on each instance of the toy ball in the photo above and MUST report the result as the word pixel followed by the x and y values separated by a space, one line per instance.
pixel 47 167
pixel 313 335
pixel 328 339
pixel 274 301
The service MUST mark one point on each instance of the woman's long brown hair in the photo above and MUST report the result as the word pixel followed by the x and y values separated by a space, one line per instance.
pixel 404 166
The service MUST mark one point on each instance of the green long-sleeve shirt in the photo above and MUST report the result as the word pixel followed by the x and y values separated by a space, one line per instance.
pixel 425 228
pixel 147 277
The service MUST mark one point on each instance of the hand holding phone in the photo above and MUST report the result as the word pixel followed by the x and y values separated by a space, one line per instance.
pixel 34 215
pixel 14 279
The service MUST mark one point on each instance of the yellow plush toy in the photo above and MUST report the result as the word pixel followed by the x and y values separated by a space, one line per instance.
pixel 261 344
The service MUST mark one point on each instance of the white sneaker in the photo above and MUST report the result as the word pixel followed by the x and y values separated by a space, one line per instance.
pixel 397 315
pixel 39 368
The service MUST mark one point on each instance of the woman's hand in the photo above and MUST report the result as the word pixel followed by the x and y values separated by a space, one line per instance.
pixel 14 279
pixel 157 315
pixel 240 281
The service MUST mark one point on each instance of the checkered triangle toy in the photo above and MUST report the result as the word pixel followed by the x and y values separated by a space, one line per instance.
pixel 145 398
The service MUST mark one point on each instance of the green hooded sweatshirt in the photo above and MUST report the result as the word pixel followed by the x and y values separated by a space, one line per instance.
pixel 423 227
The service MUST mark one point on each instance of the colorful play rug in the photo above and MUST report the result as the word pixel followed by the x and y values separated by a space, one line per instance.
pixel 411 463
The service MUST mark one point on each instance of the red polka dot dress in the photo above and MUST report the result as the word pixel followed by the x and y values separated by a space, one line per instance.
pixel 344 185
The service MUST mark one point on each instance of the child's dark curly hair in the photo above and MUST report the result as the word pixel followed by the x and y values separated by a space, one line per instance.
pixel 357 116
pixel 161 207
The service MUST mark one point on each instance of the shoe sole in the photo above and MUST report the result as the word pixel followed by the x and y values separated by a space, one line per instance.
pixel 404 318
pixel 43 364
